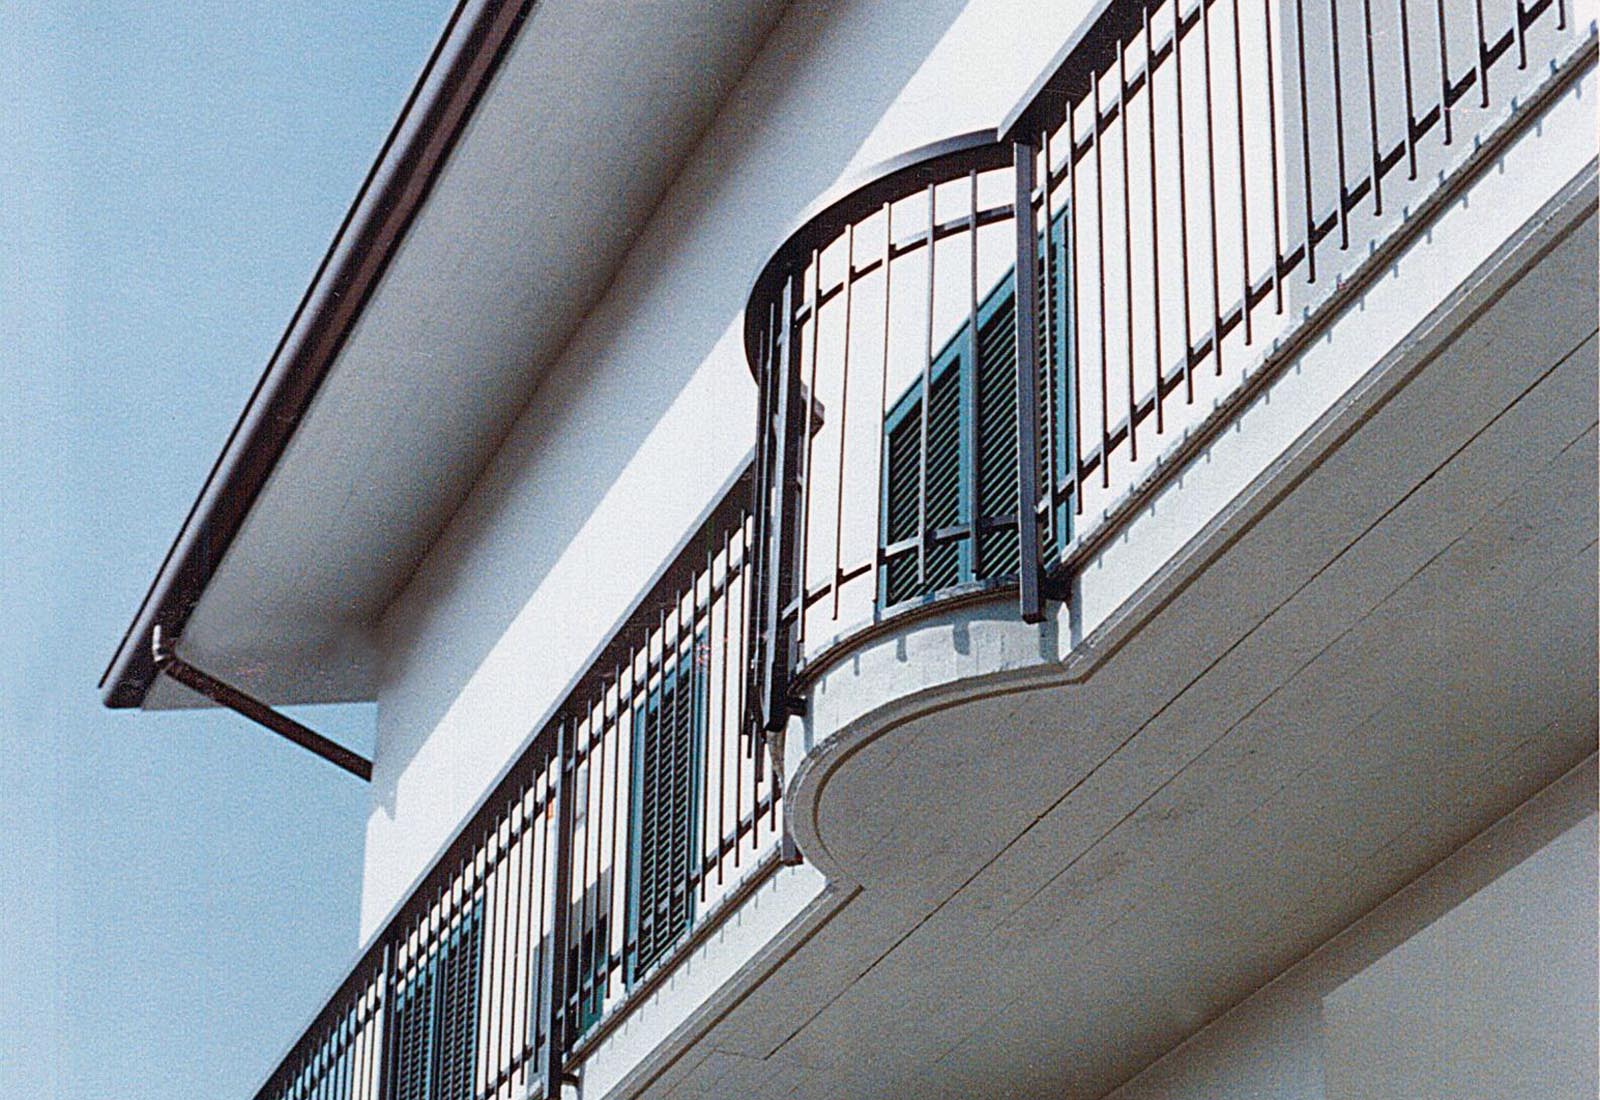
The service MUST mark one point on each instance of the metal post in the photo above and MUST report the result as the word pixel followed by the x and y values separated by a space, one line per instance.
pixel 386 1045
pixel 1028 568
pixel 757 567
pixel 775 703
pixel 555 964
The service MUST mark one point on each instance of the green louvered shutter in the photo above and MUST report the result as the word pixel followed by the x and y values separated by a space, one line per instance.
pixel 413 1036
pixel 997 429
pixel 436 1020
pixel 669 731
pixel 949 562
pixel 994 435
pixel 459 963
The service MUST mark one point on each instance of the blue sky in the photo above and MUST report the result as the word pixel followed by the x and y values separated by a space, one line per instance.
pixel 177 892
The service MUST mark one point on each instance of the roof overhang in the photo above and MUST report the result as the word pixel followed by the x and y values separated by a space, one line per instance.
pixel 536 143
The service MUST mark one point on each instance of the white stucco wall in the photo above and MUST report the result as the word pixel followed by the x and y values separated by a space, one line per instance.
pixel 649 409
pixel 1476 980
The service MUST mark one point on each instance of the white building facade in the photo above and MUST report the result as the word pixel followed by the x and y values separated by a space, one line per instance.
pixel 793 682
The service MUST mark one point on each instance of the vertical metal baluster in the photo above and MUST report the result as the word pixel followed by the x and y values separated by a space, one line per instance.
pixel 539 1025
pixel 1183 204
pixel 703 625
pixel 327 1063
pixel 722 724
pixel 1444 74
pixel 351 1050
pixel 666 723
pixel 583 760
pixel 1244 197
pixel 790 855
pixel 594 836
pixel 1076 394
pixel 882 562
pixel 599 756
pixel 1049 310
pixel 1305 143
pixel 969 392
pixel 1211 186
pixel 1100 249
pixel 358 1046
pixel 807 416
pixel 757 771
pixel 369 1046
pixel 521 1007
pixel 338 1064
pixel 1483 54
pixel 1372 114
pixel 349 1041
pixel 388 1051
pixel 1155 230
pixel 498 947
pixel 761 496
pixel 619 878
pixel 649 719
pixel 738 774
pixel 1127 249
pixel 509 997
pixel 556 964
pixel 317 1073
pixel 775 647
pixel 682 635
pixel 1518 22
pixel 1338 127
pixel 356 1049
pixel 923 533
pixel 1561 15
pixel 1030 599
pixel 700 867
pixel 844 412
pixel 1272 157
pixel 386 1046
pixel 1411 111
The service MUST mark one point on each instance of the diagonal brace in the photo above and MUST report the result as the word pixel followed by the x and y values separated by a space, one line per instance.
pixel 168 661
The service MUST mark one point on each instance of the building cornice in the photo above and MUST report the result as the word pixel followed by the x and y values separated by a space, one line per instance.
pixel 462 65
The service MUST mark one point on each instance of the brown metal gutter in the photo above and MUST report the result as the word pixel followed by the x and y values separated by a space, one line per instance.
pixel 456 75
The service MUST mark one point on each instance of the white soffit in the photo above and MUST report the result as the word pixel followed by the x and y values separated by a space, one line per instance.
pixel 587 122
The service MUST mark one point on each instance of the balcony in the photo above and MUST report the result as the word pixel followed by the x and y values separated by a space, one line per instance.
pixel 952 531
pixel 1200 193
pixel 632 823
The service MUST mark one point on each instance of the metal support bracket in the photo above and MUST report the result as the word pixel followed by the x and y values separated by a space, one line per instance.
pixel 167 661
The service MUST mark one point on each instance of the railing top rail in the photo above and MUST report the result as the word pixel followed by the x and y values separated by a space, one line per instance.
pixel 1066 78
pixel 1091 49
pixel 856 197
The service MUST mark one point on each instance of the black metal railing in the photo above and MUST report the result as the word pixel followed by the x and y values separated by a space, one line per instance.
pixel 638 814
pixel 1187 183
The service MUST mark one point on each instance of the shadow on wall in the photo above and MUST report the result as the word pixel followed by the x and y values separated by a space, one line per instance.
pixel 667 324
